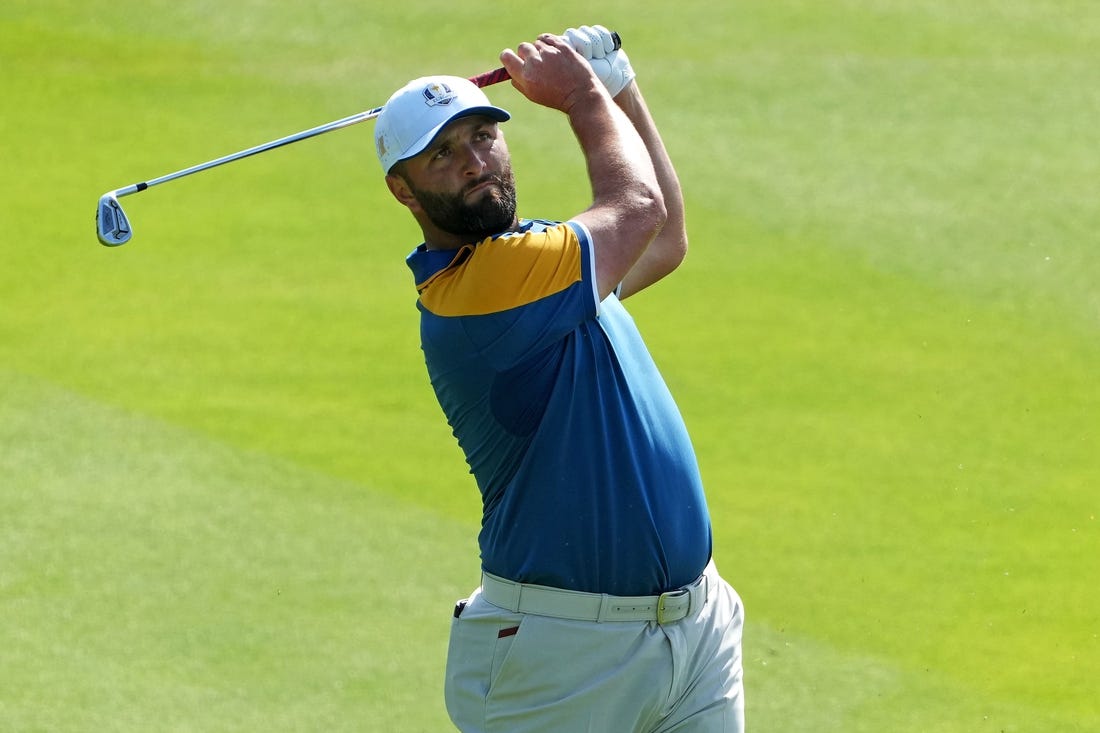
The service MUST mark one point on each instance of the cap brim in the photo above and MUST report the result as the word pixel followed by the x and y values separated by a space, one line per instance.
pixel 493 113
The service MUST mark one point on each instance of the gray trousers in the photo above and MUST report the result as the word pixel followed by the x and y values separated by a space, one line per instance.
pixel 524 673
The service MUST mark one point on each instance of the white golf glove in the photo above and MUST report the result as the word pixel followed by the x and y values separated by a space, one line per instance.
pixel 596 44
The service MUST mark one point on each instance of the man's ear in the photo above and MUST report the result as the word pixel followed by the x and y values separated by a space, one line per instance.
pixel 402 192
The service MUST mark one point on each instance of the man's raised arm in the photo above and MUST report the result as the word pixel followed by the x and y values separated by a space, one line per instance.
pixel 628 208
pixel 612 67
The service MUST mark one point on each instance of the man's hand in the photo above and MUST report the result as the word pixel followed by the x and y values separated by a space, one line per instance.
pixel 597 45
pixel 549 72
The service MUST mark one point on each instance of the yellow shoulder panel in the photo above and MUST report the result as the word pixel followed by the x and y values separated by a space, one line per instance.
pixel 505 273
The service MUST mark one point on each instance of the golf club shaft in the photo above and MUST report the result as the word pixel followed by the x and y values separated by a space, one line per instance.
pixel 482 80
pixel 113 227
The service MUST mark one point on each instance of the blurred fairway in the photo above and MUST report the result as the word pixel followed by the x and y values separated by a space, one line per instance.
pixel 229 501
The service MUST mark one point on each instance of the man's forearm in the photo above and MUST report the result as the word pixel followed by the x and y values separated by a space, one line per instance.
pixel 616 153
pixel 631 102
pixel 669 247
pixel 627 209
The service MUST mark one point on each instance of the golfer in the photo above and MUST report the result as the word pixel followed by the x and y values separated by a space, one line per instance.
pixel 600 608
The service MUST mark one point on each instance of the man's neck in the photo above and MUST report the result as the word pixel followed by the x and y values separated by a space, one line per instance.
pixel 435 238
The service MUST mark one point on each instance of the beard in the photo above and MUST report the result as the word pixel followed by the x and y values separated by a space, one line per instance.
pixel 494 213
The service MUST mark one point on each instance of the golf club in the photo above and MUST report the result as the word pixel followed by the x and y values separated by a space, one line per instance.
pixel 113 226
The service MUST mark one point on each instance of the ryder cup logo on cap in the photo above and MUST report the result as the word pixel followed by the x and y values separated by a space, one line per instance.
pixel 438 93
pixel 416 113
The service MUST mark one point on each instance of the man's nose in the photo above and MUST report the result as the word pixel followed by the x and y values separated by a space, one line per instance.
pixel 473 161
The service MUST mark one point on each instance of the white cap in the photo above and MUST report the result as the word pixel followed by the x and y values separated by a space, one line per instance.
pixel 416 113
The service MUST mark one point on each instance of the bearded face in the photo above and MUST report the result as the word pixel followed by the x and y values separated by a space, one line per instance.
pixel 492 212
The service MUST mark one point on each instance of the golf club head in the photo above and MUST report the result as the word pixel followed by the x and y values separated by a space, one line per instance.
pixel 111 225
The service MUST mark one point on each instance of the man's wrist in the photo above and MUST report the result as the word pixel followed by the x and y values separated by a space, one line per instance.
pixel 586 98
pixel 630 97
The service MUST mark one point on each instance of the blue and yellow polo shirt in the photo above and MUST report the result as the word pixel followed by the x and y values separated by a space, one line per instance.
pixel 587 475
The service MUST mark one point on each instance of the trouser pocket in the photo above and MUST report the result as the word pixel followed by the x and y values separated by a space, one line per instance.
pixel 481 640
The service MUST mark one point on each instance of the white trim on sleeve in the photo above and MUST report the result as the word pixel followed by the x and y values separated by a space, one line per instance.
pixel 591 261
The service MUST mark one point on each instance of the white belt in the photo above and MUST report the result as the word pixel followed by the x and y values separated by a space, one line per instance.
pixel 545 601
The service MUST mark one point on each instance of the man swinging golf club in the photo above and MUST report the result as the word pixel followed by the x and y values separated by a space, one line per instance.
pixel 600 608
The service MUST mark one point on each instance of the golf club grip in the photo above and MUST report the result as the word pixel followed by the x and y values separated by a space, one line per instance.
pixel 496 76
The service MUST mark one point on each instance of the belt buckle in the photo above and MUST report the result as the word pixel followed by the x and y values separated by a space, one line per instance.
pixel 662 607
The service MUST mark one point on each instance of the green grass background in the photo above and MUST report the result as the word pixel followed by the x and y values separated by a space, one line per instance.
pixel 229 502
